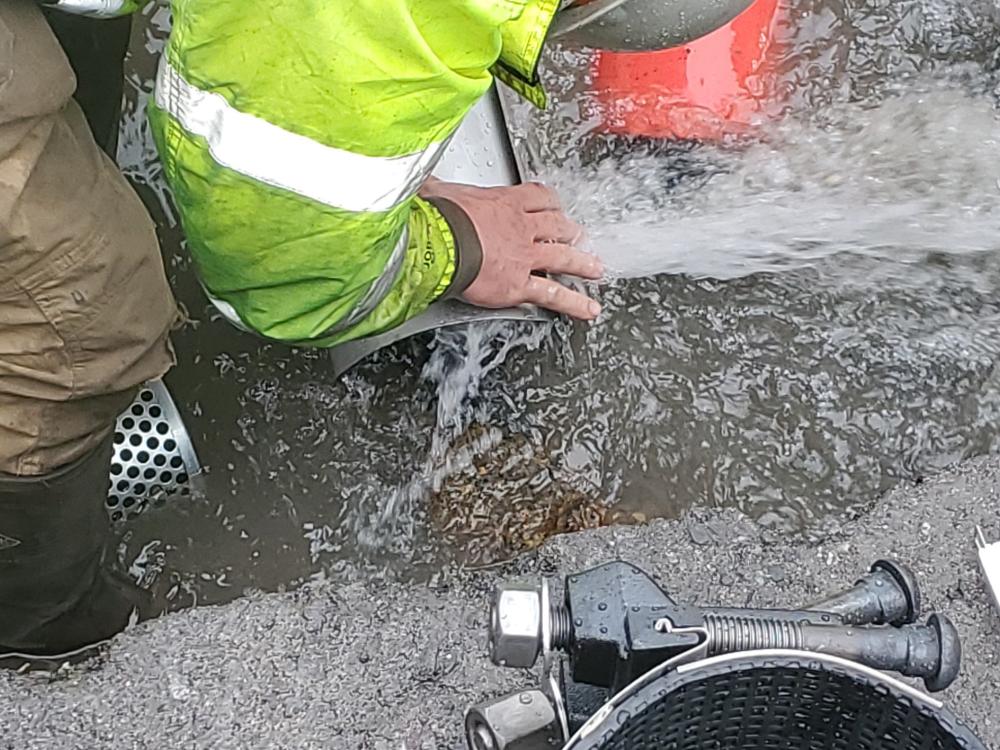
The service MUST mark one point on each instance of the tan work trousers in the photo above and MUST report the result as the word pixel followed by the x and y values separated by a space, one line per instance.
pixel 85 308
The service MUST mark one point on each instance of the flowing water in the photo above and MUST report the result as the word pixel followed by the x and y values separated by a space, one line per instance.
pixel 797 321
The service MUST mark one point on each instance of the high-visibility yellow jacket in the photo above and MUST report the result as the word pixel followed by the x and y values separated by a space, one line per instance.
pixel 296 133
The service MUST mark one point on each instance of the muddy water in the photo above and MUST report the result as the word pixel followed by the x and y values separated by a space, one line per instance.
pixel 799 323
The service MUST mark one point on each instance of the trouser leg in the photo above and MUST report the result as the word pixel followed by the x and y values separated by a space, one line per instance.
pixel 85 311
pixel 85 307
pixel 59 586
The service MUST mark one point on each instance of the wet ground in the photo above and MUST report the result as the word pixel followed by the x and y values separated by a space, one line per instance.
pixel 822 325
pixel 387 665
pixel 827 331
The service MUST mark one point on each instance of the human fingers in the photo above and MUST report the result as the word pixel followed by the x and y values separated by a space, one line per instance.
pixel 555 226
pixel 555 257
pixel 535 197
pixel 554 296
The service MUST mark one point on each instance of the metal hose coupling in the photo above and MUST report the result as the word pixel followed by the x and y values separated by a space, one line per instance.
pixel 607 625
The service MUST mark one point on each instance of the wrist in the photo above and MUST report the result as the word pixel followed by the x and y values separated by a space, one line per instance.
pixel 468 248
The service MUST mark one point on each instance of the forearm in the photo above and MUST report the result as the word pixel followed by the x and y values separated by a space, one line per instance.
pixel 430 270
pixel 522 40
pixel 441 258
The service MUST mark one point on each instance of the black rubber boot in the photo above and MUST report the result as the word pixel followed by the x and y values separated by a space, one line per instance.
pixel 96 48
pixel 59 591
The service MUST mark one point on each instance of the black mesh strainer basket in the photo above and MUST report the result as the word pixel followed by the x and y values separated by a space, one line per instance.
pixel 767 700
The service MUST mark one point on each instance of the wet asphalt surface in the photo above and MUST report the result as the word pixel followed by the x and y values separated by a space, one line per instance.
pixel 361 664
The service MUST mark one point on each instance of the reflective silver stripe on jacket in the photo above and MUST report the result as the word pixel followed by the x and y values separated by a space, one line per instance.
pixel 95 8
pixel 270 154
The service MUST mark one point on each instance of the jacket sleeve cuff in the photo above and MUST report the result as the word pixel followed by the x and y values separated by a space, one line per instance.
pixel 468 249
pixel 524 36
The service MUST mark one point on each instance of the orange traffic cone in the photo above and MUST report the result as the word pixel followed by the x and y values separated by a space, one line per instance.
pixel 704 90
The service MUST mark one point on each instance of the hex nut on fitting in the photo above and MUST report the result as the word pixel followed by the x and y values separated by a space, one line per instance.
pixel 522 721
pixel 516 625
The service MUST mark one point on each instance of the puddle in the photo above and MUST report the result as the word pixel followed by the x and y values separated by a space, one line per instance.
pixel 823 325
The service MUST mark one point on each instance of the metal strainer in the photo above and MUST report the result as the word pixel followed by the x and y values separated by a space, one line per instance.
pixel 153 456
pixel 764 700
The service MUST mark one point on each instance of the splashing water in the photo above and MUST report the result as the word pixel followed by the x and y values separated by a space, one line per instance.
pixel 461 358
pixel 912 177
pixel 798 321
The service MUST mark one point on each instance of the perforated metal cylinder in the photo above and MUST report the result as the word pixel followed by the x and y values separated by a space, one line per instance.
pixel 154 458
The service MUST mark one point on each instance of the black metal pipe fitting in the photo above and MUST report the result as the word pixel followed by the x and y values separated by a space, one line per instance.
pixel 611 627
pixel 887 595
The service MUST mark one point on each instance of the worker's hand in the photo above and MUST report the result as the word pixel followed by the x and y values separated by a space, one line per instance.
pixel 522 229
